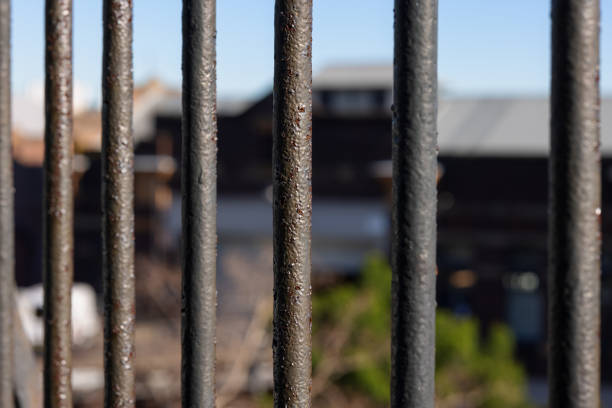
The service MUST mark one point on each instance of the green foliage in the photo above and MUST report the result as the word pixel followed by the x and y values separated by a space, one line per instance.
pixel 351 349
pixel 265 400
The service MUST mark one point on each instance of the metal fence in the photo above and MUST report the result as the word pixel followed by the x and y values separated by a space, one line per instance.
pixel 575 190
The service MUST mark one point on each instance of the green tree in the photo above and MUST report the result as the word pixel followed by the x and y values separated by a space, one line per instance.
pixel 351 344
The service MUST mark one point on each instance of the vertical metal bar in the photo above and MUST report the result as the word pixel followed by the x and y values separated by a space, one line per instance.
pixel 575 200
pixel 58 206
pixel 118 204
pixel 199 185
pixel 7 226
pixel 292 172
pixel 414 150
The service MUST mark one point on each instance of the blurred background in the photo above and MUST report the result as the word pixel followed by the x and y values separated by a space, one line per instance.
pixel 492 214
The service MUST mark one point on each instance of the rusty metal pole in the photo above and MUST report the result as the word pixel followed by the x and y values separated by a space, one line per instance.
pixel 575 206
pixel 58 204
pixel 7 224
pixel 118 204
pixel 292 173
pixel 414 149
pixel 199 185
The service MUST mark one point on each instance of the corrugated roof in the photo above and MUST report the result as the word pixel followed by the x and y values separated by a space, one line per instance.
pixel 227 107
pixel 472 126
pixel 504 127
pixel 466 126
pixel 354 77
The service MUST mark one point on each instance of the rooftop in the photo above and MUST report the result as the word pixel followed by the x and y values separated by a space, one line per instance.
pixel 466 126
pixel 351 77
pixel 504 127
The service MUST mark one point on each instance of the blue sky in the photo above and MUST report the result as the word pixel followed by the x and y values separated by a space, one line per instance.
pixel 486 47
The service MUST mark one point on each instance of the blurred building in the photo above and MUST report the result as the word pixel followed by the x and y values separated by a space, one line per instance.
pixel 492 200
pixel 493 188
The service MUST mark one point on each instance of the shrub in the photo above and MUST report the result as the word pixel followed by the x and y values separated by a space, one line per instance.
pixel 351 349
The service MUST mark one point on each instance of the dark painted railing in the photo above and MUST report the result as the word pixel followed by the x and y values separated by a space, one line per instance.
pixel 413 257
pixel 575 190
pixel 575 206
pixel 199 184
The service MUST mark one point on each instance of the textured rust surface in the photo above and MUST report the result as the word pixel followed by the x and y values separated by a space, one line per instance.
pixel 118 204
pixel 58 204
pixel 414 150
pixel 292 164
pixel 199 185
pixel 7 226
pixel 575 206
